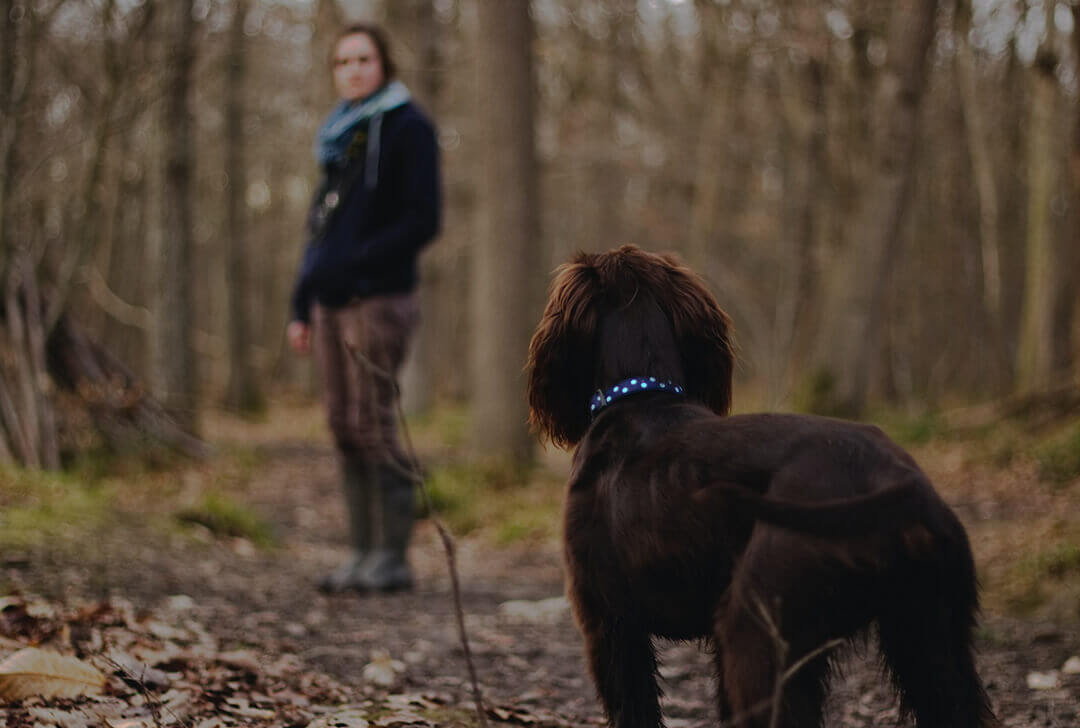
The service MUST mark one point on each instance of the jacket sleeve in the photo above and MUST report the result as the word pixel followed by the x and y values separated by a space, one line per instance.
pixel 302 295
pixel 417 194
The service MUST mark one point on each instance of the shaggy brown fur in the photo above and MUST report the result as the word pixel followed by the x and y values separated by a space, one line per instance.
pixel 774 536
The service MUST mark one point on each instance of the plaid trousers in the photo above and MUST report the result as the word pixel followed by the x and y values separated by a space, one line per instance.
pixel 360 349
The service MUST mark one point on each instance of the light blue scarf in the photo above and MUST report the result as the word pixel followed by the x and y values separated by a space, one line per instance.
pixel 334 136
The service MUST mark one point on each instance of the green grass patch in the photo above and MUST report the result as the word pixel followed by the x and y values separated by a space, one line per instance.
pixel 529 525
pixel 816 394
pixel 40 508
pixel 454 491
pixel 1059 458
pixel 239 461
pixel 912 430
pixel 1003 452
pixel 448 426
pixel 1025 588
pixel 1057 561
pixel 225 517
pixel 509 502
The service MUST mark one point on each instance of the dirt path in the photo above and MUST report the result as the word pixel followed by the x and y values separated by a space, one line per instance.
pixel 527 650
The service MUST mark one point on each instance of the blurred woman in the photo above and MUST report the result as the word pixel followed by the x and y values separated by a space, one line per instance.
pixel 354 301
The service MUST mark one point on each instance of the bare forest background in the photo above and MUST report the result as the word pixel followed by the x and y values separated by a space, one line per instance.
pixel 883 195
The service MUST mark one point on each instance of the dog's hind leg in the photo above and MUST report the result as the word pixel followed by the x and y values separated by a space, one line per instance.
pixel 793 600
pixel 756 683
pixel 623 664
pixel 925 633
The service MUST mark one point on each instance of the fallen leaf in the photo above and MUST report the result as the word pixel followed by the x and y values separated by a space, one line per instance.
pixel 155 656
pixel 242 659
pixel 17 620
pixel 41 609
pixel 9 645
pixel 348 718
pixel 164 631
pixel 62 718
pixel 211 722
pixel 680 722
pixel 382 670
pixel 404 701
pixel 180 603
pixel 6 602
pixel 401 718
pixel 1044 680
pixel 32 672
pixel 546 611
pixel 510 715
pixel 134 671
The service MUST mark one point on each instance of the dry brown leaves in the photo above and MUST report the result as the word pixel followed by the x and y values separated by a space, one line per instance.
pixel 165 669
pixel 159 669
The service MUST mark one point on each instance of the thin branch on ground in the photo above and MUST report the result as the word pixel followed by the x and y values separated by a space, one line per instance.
pixel 414 473
pixel 152 701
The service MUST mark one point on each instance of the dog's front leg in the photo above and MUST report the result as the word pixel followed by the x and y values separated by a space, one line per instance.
pixel 623 664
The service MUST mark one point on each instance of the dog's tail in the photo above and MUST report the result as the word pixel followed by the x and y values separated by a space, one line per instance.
pixel 895 505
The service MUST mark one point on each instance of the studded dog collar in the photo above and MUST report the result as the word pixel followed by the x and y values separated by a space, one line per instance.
pixel 626 387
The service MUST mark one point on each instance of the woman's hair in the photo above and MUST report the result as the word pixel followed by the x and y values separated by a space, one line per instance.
pixel 378 37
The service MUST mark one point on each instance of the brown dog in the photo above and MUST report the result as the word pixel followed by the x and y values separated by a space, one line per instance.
pixel 777 537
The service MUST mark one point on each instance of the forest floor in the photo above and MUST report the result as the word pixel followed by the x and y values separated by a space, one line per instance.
pixel 213 625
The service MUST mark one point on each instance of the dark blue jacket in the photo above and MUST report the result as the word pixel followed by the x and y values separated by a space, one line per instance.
pixel 370 241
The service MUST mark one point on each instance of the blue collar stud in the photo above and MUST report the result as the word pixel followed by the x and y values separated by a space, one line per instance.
pixel 626 387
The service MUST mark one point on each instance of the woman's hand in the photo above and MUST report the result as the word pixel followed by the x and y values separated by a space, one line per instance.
pixel 299 335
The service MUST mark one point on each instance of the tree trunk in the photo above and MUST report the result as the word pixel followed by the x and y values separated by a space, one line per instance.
pixel 25 427
pixel 48 447
pixel 603 215
pixel 503 259
pixel 797 319
pixel 982 169
pixel 1016 95
pixel 12 445
pixel 329 20
pixel 10 127
pixel 858 306
pixel 1074 159
pixel 242 393
pixel 1035 357
pixel 709 245
pixel 172 358
pixel 415 21
pixel 27 421
pixel 722 76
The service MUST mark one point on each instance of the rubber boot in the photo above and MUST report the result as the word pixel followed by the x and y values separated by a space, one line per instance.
pixel 388 568
pixel 358 481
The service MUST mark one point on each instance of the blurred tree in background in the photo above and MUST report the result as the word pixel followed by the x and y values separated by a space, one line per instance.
pixel 505 253
pixel 173 368
pixel 884 195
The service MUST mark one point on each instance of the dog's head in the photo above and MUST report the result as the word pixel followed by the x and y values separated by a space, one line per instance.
pixel 620 314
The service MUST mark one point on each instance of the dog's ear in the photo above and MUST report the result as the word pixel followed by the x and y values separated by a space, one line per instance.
pixel 703 333
pixel 561 355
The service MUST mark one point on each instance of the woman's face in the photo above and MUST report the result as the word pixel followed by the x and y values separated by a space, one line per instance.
pixel 358 70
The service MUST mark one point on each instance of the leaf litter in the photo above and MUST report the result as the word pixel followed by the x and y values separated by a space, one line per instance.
pixel 108 664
